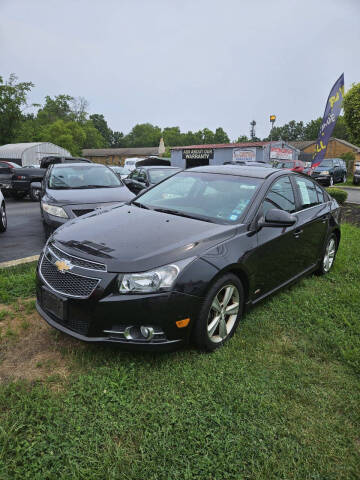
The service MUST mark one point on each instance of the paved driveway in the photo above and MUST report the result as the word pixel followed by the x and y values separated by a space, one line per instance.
pixel 353 194
pixel 24 236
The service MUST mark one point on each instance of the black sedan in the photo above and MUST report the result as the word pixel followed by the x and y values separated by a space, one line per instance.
pixel 145 177
pixel 72 190
pixel 185 259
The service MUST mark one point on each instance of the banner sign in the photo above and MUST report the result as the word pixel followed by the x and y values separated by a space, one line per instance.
pixel 244 154
pixel 332 111
pixel 197 153
pixel 281 153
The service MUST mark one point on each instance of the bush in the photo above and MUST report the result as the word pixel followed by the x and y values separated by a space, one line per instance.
pixel 339 195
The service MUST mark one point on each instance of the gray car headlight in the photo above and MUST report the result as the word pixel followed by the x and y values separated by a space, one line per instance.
pixel 324 172
pixel 162 278
pixel 53 210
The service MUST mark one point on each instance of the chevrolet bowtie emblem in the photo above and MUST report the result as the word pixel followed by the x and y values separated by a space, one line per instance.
pixel 63 265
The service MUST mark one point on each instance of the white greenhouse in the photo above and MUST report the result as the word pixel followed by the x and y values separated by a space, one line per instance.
pixel 31 153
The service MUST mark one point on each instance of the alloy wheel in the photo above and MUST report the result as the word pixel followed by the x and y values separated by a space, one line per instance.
pixel 329 256
pixel 331 182
pixel 3 218
pixel 344 179
pixel 223 313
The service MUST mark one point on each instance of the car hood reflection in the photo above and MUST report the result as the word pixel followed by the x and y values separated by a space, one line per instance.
pixel 132 239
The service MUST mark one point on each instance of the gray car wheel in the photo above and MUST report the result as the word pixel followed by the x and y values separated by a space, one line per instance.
pixel 3 218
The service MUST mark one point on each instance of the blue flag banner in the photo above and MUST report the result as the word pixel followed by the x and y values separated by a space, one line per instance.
pixel 332 111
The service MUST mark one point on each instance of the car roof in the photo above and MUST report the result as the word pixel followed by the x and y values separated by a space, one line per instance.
pixel 83 164
pixel 150 167
pixel 244 171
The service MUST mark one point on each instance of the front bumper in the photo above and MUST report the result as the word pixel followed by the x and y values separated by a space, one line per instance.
pixel 101 318
pixel 323 179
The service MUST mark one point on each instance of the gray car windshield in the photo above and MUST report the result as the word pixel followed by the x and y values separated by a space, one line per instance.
pixel 205 196
pixel 82 176
pixel 158 174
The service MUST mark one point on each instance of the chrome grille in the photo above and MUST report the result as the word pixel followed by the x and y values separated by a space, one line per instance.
pixel 67 283
pixel 79 262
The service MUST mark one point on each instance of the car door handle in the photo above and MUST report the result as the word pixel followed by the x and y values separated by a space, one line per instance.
pixel 297 233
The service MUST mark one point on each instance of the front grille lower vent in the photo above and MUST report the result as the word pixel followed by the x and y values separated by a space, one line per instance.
pixel 67 283
pixel 84 211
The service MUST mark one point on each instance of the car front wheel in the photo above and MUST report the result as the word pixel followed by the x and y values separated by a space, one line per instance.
pixel 331 182
pixel 3 218
pixel 329 255
pixel 220 313
pixel 344 178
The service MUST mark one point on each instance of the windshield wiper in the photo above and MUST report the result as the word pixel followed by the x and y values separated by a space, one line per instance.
pixel 91 186
pixel 140 205
pixel 183 214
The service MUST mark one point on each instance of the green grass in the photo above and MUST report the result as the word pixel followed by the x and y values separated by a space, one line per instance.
pixel 17 282
pixel 280 401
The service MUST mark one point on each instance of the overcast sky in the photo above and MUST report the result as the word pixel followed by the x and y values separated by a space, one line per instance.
pixel 186 63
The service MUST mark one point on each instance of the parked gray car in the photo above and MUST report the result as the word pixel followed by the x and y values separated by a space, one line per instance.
pixel 356 179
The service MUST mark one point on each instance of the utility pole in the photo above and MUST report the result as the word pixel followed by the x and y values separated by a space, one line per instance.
pixel 272 121
pixel 252 130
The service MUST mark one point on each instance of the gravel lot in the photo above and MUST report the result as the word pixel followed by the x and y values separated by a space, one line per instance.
pixel 24 236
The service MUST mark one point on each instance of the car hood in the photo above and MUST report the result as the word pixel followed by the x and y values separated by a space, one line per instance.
pixel 88 196
pixel 131 239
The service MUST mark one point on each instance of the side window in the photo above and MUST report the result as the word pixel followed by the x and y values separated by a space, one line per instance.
pixel 307 192
pixel 320 194
pixel 134 175
pixel 141 176
pixel 4 168
pixel 281 196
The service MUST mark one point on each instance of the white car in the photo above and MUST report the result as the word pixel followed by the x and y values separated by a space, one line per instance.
pixel 3 219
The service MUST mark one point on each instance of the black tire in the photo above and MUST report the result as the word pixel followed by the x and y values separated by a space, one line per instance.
pixel 34 195
pixel 3 218
pixel 19 195
pixel 201 335
pixel 323 268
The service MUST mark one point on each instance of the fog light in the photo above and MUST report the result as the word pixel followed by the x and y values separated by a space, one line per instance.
pixel 147 332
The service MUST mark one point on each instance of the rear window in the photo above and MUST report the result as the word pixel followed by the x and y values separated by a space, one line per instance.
pixel 158 174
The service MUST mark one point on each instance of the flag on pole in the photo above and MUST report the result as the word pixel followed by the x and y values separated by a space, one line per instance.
pixel 332 111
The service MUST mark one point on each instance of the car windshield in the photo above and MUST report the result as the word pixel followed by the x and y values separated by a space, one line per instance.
pixel 158 174
pixel 82 176
pixel 206 196
pixel 326 163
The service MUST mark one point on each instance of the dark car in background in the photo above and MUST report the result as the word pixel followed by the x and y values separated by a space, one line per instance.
pixel 70 190
pixel 6 172
pixel 330 171
pixel 184 259
pixel 26 180
pixel 145 177
pixel 356 179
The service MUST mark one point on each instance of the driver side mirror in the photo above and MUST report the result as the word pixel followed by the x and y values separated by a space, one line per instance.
pixel 278 218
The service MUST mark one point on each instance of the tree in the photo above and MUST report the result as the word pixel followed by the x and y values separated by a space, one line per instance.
pixel 55 109
pixel 143 135
pixel 351 107
pixel 101 125
pixel 221 136
pixel 172 136
pixel 289 131
pixel 311 129
pixel 13 97
pixel 242 139
pixel 93 138
pixel 117 140
pixel 69 135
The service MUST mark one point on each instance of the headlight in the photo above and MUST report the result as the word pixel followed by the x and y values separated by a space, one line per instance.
pixel 52 210
pixel 324 172
pixel 161 278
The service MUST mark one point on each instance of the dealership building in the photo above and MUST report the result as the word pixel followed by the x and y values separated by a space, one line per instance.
pixel 218 154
